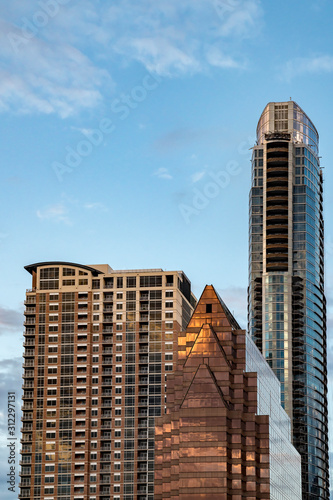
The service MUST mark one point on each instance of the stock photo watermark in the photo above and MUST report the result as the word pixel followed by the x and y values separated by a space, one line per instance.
pixel 122 106
pixel 217 183
pixel 12 441
pixel 224 7
pixel 29 28
pixel 201 197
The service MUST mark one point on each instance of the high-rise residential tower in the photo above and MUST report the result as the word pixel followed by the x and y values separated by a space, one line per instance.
pixel 98 346
pixel 287 306
pixel 225 435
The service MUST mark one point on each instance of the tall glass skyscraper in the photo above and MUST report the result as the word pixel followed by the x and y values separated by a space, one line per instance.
pixel 287 306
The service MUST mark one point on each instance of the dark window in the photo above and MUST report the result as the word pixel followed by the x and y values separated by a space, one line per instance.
pixel 208 308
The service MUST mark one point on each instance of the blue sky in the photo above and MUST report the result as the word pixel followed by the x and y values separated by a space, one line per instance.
pixel 116 117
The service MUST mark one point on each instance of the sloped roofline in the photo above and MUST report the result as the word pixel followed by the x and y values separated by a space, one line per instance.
pixel 33 267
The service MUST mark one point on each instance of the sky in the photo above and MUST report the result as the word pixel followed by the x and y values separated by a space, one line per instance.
pixel 126 130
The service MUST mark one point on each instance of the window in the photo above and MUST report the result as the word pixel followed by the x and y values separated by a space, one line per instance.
pixel 68 282
pixel 169 293
pixel 119 369
pixel 119 316
pixel 119 336
pixel 67 271
pixel 131 282
pixel 119 305
pixel 96 296
pixel 83 282
pixel 96 284
pixel 208 308
pixel 150 281
pixel 96 307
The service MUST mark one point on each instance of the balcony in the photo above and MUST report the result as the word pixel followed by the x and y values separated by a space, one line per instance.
pixel 27 406
pixel 30 300
pixel 107 392
pixel 107 361
pixel 106 414
pixel 142 478
pixel 28 385
pixel 107 309
pixel 107 404
pixel 28 364
pixel 107 350
pixel 30 321
pixel 143 359
pixel 30 310
pixel 27 417
pixel 143 338
pixel 28 395
pixel 29 352
pixel 29 343
pixel 106 447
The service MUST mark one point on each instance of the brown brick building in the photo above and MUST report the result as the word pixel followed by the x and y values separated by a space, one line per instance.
pixel 214 441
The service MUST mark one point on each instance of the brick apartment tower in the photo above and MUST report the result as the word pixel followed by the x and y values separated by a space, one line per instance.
pixel 98 346
pixel 214 443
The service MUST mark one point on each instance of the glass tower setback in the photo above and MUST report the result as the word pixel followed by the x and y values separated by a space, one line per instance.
pixel 287 305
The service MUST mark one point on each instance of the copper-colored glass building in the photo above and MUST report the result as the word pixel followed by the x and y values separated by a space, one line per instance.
pixel 287 305
pixel 98 345
pixel 225 435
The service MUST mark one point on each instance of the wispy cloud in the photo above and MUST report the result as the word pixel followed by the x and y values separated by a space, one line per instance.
pixel 63 65
pixel 55 213
pixel 163 173
pixel 307 65
pixel 96 206
pixel 198 176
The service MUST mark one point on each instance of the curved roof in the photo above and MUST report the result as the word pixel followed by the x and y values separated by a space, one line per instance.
pixel 33 267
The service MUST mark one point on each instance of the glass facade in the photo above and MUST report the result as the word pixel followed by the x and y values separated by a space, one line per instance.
pixel 284 461
pixel 225 434
pixel 287 306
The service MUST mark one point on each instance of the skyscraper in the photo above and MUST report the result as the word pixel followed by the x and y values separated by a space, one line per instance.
pixel 287 306
pixel 225 434
pixel 98 346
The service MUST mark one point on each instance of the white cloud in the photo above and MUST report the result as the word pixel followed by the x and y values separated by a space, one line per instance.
pixel 54 213
pixel 216 58
pixel 95 206
pixel 163 173
pixel 198 176
pixel 307 65
pixel 63 66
